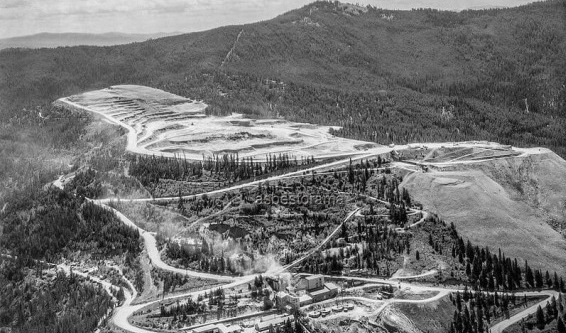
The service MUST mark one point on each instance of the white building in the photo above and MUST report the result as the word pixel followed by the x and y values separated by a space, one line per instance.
pixel 314 282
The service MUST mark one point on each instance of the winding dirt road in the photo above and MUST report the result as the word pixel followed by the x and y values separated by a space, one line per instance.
pixel 153 253
pixel 122 313
pixel 126 310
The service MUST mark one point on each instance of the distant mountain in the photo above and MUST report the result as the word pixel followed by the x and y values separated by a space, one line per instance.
pixel 73 39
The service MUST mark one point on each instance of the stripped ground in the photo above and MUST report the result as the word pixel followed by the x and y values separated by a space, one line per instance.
pixel 160 123
pixel 428 317
pixel 154 218
pixel 514 203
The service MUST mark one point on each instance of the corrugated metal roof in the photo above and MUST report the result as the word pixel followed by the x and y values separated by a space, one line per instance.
pixel 330 286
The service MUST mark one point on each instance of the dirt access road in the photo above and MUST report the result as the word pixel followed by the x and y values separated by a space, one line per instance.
pixel 125 311
pixel 122 313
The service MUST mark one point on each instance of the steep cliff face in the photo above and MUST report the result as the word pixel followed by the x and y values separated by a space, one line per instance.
pixel 517 204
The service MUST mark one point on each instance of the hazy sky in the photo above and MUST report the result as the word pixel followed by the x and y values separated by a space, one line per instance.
pixel 24 17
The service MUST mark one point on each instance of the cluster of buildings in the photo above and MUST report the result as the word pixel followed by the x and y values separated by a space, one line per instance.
pixel 263 325
pixel 310 289
pixel 307 290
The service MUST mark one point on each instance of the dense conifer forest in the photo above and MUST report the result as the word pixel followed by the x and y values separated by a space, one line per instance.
pixel 56 222
pixel 44 227
pixel 62 304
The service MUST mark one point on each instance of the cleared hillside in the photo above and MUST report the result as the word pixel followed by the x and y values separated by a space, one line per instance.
pixel 164 124
pixel 509 203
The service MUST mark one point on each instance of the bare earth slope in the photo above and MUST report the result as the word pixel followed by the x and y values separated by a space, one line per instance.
pixel 166 124
pixel 509 202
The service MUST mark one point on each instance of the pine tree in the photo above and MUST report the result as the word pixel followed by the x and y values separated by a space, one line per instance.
pixel 180 205
pixel 479 317
pixel 540 318
pixel 560 327
pixel 553 307
pixel 298 327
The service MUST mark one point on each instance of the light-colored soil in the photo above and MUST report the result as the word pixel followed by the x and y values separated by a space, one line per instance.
pixel 152 218
pixel 414 295
pixel 161 123
pixel 428 317
pixel 502 203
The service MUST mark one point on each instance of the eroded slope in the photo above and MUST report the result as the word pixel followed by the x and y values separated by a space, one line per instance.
pixel 160 123
pixel 509 203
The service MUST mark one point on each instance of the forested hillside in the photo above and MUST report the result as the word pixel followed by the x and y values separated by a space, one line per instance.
pixel 60 304
pixel 44 227
pixel 384 76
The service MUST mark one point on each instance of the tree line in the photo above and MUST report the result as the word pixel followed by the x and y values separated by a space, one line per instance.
pixel 476 312
pixel 490 271
pixel 48 225
pixel 226 168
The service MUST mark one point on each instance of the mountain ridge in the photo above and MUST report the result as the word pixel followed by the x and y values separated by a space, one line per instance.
pixel 52 40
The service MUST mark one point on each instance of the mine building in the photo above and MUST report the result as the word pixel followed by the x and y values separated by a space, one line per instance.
pixel 308 290
pixel 314 282
pixel 217 328
pixel 206 329
pixel 229 329
pixel 329 290
pixel 295 301
pixel 275 322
